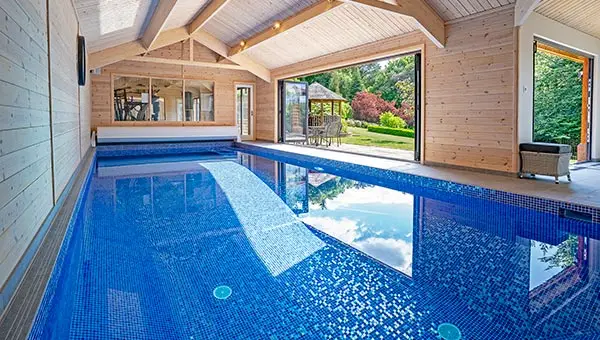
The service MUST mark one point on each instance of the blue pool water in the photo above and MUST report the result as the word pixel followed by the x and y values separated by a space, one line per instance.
pixel 230 245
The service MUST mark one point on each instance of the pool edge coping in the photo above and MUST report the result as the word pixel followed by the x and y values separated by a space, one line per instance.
pixel 506 197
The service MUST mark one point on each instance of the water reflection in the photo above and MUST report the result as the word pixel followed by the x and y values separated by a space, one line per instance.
pixel 508 270
pixel 375 220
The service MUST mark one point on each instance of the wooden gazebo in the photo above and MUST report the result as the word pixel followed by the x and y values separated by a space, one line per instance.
pixel 320 95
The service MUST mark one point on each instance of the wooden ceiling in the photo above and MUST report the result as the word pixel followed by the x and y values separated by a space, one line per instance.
pixel 340 28
pixel 455 9
pixel 184 12
pixel 582 15
pixel 241 19
pixel 244 32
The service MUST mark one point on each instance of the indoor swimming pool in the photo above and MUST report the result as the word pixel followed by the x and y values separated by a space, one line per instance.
pixel 226 244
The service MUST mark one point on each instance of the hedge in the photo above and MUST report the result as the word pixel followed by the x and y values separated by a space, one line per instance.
pixel 391 131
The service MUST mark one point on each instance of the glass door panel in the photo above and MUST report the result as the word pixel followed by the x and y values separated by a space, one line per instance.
pixel 244 110
pixel 295 111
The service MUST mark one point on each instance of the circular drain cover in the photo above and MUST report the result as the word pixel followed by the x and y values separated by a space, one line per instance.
pixel 449 331
pixel 222 292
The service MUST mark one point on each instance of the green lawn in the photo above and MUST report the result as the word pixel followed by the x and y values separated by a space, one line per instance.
pixel 361 136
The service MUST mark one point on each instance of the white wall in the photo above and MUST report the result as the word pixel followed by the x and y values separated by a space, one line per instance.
pixel 116 134
pixel 540 26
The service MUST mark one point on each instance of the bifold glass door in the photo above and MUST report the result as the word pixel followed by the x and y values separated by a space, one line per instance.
pixel 294 111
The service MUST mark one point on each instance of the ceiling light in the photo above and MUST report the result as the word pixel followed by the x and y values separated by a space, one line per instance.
pixel 276 25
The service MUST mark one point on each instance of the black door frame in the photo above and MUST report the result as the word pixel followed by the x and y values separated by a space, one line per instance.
pixel 417 54
pixel 418 123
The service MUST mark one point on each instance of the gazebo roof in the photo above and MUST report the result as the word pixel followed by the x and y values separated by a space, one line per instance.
pixel 317 91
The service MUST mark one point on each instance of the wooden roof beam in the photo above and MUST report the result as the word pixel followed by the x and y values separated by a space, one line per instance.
pixel 523 9
pixel 206 14
pixel 186 63
pixel 134 48
pixel 158 21
pixel 429 22
pixel 279 27
pixel 222 49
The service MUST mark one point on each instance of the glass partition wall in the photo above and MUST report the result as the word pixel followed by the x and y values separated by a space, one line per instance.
pixel 162 100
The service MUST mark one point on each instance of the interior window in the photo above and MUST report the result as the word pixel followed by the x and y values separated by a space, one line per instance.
pixel 131 98
pixel 199 101
pixel 167 102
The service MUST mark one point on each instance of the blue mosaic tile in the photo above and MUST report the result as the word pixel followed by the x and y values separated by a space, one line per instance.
pixel 385 255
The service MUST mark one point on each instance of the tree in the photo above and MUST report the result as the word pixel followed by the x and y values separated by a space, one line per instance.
pixel 557 103
pixel 369 106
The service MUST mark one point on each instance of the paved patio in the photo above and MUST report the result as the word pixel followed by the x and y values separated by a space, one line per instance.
pixel 375 151
pixel 584 190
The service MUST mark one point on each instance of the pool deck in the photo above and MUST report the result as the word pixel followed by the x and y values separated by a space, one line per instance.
pixel 394 154
pixel 583 190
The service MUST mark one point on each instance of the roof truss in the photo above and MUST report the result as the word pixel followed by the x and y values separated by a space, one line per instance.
pixel 210 11
pixel 157 23
pixel 279 27
pixel 430 23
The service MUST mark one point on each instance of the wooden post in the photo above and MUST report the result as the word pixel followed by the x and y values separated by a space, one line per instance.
pixel 582 147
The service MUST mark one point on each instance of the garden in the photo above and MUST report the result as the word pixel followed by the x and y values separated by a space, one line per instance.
pixel 378 110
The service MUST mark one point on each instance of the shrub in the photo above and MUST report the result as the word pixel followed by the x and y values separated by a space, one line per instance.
pixel 369 106
pixel 344 125
pixel 346 110
pixel 391 131
pixel 388 119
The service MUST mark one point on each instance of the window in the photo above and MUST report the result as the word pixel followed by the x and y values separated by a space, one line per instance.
pixel 167 100
pixel 163 100
pixel 199 101
pixel 131 98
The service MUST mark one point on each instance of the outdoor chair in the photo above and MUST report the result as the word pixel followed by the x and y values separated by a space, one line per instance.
pixel 333 131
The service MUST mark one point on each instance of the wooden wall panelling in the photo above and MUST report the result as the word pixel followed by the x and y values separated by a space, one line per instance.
pixel 25 175
pixel 64 92
pixel 266 110
pixel 41 119
pixel 470 102
pixel 224 89
pixel 85 115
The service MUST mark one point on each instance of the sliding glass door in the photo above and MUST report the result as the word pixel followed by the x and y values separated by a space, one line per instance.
pixel 293 111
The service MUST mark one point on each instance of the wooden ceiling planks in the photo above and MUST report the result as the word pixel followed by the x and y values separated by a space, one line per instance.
pixel 241 19
pixel 341 28
pixel 456 9
pixel 184 12
pixel 581 15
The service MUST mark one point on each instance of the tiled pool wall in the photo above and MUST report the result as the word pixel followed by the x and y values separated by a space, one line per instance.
pixel 391 178
pixel 400 179
pixel 63 255
pixel 157 149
